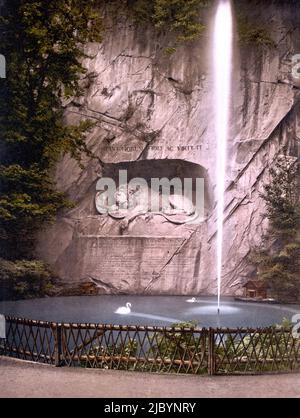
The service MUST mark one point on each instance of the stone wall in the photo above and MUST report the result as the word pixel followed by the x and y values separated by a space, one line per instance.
pixel 149 106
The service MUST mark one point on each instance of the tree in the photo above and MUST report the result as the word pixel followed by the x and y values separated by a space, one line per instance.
pixel 42 42
pixel 279 261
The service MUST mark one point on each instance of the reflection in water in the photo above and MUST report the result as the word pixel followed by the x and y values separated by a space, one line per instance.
pixel 211 310
pixel 156 317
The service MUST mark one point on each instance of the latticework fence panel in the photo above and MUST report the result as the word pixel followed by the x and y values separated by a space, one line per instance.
pixel 153 349
pixel 150 349
pixel 256 351
pixel 30 340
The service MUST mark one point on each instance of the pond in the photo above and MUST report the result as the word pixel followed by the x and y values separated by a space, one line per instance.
pixel 150 310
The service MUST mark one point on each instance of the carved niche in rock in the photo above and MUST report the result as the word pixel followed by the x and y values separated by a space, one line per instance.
pixel 172 189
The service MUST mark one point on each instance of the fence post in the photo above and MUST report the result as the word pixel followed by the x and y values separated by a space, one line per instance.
pixel 2 335
pixel 211 352
pixel 57 344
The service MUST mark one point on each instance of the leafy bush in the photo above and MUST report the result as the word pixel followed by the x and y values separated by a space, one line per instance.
pixel 126 349
pixel 250 33
pixel 181 350
pixel 24 279
pixel 260 352
pixel 180 17
pixel 160 351
pixel 183 18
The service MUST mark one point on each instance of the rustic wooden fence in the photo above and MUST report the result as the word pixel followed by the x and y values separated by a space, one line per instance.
pixel 153 349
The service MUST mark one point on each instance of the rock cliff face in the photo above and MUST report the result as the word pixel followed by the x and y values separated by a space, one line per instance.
pixel 154 117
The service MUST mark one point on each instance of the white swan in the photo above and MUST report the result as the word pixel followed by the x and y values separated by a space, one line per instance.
pixel 124 310
pixel 193 300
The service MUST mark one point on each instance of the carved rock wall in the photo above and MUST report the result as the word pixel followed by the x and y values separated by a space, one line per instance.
pixel 151 106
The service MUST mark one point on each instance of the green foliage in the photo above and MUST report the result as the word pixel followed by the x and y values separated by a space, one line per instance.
pixel 24 279
pixel 179 17
pixel 160 351
pixel 141 10
pixel 175 344
pixel 286 324
pixel 178 346
pixel 183 18
pixel 43 45
pixel 260 352
pixel 182 350
pixel 279 261
pixel 123 349
pixel 250 33
pixel 282 197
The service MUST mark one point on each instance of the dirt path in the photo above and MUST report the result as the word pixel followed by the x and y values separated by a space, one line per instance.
pixel 22 379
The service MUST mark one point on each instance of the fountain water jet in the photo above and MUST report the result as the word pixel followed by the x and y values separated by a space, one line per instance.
pixel 222 61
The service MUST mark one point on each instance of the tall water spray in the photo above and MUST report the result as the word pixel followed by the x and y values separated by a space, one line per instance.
pixel 222 50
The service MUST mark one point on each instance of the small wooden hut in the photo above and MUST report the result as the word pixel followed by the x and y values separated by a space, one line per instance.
pixel 255 289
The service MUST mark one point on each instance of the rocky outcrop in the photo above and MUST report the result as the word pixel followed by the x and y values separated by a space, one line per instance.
pixel 155 111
